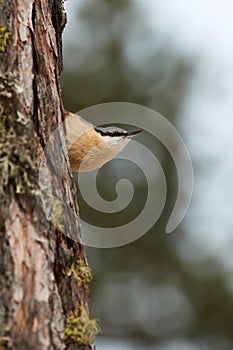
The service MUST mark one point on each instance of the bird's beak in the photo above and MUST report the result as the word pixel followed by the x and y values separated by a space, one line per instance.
pixel 135 132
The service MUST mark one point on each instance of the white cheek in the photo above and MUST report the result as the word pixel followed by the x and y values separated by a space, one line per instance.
pixel 116 143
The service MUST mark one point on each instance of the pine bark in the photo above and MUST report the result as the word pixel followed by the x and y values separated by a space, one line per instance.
pixel 36 293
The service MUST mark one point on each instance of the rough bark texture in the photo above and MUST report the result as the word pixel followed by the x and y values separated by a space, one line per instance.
pixel 36 293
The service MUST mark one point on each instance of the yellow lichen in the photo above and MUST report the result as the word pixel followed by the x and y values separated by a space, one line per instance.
pixel 6 340
pixel 79 328
pixel 55 212
pixel 81 272
pixel 4 36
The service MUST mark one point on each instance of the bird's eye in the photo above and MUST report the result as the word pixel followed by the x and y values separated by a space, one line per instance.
pixel 100 131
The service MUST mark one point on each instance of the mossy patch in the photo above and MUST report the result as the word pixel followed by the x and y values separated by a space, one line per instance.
pixel 4 37
pixel 55 212
pixel 81 272
pixel 18 165
pixel 79 328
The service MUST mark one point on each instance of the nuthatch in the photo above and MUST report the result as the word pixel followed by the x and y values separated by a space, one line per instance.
pixel 90 147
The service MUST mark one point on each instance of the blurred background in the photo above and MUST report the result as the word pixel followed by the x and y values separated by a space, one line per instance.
pixel 172 292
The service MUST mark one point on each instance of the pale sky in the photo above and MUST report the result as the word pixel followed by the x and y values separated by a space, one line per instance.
pixel 205 28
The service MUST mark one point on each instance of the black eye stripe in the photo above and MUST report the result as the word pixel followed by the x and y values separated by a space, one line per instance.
pixel 110 132
pixel 114 132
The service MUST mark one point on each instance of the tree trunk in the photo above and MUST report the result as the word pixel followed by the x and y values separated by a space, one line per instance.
pixel 43 277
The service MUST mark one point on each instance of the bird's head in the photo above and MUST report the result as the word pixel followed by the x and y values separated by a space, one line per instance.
pixel 116 138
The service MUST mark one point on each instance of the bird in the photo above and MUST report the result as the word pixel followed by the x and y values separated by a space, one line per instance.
pixel 89 146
